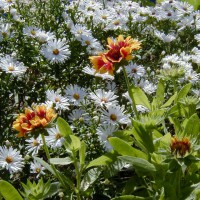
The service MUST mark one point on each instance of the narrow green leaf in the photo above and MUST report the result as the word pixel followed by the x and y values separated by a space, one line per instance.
pixel 89 178
pixel 123 148
pixel 131 197
pixel 64 127
pixel 140 97
pixel 75 142
pixel 139 164
pixel 170 101
pixel 103 160
pixel 82 152
pixel 8 191
pixel 184 91
pixel 61 161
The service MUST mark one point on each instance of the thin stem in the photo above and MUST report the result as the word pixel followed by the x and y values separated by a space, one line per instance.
pixel 53 167
pixel 130 93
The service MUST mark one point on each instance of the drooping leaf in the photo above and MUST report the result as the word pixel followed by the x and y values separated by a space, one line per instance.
pixel 64 127
pixel 8 191
pixel 124 148
pixel 61 161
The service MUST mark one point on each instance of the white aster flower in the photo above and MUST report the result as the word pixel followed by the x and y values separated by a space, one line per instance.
pixel 5 31
pixel 148 87
pixel 134 70
pixel 79 115
pixel 102 97
pixel 54 139
pixel 114 114
pixel 104 132
pixel 44 36
pixel 76 94
pixel 165 38
pixel 56 51
pixel 31 31
pixel 10 65
pixel 11 159
pixel 192 76
pixel 58 100
pixel 37 168
pixel 34 145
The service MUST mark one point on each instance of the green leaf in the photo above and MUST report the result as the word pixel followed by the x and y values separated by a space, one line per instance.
pixel 103 160
pixel 131 197
pixel 184 91
pixel 61 161
pixel 8 191
pixel 123 148
pixel 192 127
pixel 75 142
pixel 170 101
pixel 89 178
pixel 139 164
pixel 140 97
pixel 82 152
pixel 195 3
pixel 64 127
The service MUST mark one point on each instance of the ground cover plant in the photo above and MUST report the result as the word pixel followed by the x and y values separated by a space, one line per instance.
pixel 99 100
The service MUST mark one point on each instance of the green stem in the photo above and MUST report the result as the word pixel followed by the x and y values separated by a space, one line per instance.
pixel 52 166
pixel 130 93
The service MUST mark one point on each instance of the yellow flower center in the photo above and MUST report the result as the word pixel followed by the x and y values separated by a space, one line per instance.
pixel 57 99
pixel 38 170
pixel 55 51
pixel 9 1
pixel 134 70
pixel 76 96
pixel 33 32
pixel 9 159
pixel 104 17
pixel 58 136
pixel 87 42
pixel 104 100
pixel 116 22
pixel 11 68
pixel 79 31
pixel 81 119
pixel 4 34
pixel 113 117
pixel 35 143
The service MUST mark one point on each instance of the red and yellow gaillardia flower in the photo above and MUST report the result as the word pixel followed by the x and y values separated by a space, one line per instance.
pixel 180 147
pixel 38 117
pixel 118 50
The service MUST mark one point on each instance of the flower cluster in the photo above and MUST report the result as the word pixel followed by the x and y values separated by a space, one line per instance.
pixel 118 50
pixel 30 120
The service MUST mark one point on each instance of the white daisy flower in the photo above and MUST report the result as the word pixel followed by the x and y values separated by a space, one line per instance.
pixel 31 31
pixel 56 51
pixel 79 115
pixel 37 168
pixel 148 87
pixel 111 86
pixel 34 145
pixel 104 132
pixel 54 139
pixel 192 76
pixel 102 97
pixel 79 31
pixel 76 94
pixel 134 70
pixel 165 38
pixel 9 65
pixel 58 100
pixel 43 36
pixel 11 159
pixel 114 114
pixel 5 31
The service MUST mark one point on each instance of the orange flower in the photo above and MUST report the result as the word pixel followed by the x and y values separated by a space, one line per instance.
pixel 101 64
pixel 180 147
pixel 122 48
pixel 30 120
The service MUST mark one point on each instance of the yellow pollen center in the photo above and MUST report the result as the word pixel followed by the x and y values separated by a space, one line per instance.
pixel 189 78
pixel 55 51
pixel 113 117
pixel 33 32
pixel 35 143
pixel 116 22
pixel 87 42
pixel 37 170
pixel 57 99
pixel 11 68
pixel 4 34
pixel 104 100
pixel 76 96
pixel 79 31
pixel 81 119
pixel 104 17
pixel 9 1
pixel 134 70
pixel 9 159
pixel 58 136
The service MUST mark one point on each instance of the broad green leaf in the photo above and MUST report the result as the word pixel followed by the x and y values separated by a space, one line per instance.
pixel 124 135
pixel 103 160
pixel 192 127
pixel 139 164
pixel 89 178
pixel 123 148
pixel 170 101
pixel 75 142
pixel 140 97
pixel 8 191
pixel 184 91
pixel 131 197
pixel 64 127
pixel 61 161
pixel 82 153
pixel 54 188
